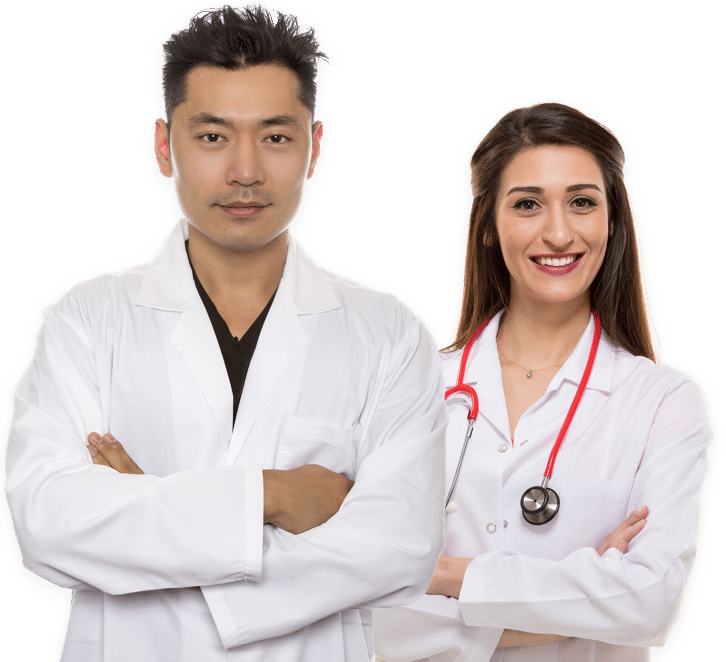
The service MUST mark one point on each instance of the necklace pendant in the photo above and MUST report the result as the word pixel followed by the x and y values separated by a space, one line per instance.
pixel 529 375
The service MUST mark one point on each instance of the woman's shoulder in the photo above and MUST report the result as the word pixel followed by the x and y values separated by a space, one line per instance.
pixel 645 380
pixel 449 363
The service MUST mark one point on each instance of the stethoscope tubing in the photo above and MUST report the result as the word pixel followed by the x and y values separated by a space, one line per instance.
pixel 544 512
pixel 460 387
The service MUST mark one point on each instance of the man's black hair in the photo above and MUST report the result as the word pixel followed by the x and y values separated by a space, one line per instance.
pixel 236 39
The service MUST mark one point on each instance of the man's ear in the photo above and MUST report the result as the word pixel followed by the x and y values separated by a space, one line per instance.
pixel 161 147
pixel 317 136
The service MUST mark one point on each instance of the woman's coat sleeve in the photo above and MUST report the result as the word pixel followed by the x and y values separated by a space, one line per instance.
pixel 81 525
pixel 629 599
pixel 380 549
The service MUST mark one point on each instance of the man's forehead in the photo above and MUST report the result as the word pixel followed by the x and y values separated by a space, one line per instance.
pixel 253 93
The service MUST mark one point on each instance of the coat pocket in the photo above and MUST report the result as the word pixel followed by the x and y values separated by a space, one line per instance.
pixel 591 508
pixel 304 442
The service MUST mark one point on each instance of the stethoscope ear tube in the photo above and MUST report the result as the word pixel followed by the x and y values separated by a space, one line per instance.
pixel 458 466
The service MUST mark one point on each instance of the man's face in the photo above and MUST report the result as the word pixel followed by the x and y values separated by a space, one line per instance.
pixel 241 150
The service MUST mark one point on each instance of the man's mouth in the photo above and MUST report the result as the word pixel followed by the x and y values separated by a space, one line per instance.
pixel 243 209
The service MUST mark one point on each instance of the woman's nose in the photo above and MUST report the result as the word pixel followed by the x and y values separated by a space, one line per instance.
pixel 556 229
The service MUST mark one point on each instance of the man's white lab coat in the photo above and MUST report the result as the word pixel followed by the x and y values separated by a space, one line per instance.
pixel 342 376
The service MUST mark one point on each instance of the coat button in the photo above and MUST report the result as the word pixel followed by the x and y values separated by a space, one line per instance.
pixel 503 448
pixel 491 527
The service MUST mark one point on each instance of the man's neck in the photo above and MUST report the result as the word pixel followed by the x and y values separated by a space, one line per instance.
pixel 239 283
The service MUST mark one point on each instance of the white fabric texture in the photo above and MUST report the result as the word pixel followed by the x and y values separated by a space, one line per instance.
pixel 639 437
pixel 342 376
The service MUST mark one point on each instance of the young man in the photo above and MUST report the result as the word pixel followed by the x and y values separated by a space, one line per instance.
pixel 163 539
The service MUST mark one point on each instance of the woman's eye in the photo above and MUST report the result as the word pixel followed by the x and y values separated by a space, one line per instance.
pixel 584 203
pixel 526 205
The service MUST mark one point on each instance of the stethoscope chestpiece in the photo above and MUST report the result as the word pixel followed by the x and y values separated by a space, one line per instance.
pixel 539 504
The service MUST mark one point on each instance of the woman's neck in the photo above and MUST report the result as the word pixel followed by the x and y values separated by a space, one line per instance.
pixel 540 335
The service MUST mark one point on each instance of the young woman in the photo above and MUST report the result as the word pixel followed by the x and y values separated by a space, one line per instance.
pixel 576 424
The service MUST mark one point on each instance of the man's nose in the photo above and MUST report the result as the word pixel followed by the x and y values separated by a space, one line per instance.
pixel 245 165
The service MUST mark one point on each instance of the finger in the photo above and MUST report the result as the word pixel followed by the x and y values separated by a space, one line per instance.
pixel 636 516
pixel 632 531
pixel 114 454
pixel 120 459
pixel 96 457
pixel 632 519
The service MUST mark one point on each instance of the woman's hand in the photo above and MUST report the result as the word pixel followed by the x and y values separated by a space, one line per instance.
pixel 621 537
pixel 515 638
pixel 448 576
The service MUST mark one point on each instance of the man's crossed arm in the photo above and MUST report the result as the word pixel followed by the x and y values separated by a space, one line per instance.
pixel 296 500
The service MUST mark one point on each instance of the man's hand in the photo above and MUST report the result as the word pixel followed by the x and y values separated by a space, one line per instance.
pixel 108 452
pixel 295 500
pixel 630 528
pixel 300 499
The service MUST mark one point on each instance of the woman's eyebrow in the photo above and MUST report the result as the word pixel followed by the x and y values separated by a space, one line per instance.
pixel 526 189
pixel 539 190
pixel 581 187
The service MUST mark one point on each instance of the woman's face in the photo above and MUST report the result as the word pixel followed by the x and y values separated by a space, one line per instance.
pixel 552 223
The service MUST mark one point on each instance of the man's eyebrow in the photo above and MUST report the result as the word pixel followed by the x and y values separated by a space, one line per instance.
pixel 540 191
pixel 281 120
pixel 207 118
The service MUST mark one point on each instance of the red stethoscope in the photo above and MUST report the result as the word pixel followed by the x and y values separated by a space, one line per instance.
pixel 539 503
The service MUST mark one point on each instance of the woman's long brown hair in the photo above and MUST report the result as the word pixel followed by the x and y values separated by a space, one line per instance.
pixel 617 292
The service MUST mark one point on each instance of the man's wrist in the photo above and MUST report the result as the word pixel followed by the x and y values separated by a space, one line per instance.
pixel 270 491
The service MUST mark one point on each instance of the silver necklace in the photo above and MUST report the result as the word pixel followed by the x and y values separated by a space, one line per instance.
pixel 529 370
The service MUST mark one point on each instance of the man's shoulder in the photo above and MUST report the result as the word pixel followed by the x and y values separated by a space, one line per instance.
pixel 374 306
pixel 94 296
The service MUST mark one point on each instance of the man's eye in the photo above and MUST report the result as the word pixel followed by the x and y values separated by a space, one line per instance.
pixel 211 137
pixel 277 139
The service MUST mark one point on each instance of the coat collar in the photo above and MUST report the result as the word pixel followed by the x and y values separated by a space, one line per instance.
pixel 304 289
pixel 485 374
pixel 168 283
pixel 484 356
pixel 601 377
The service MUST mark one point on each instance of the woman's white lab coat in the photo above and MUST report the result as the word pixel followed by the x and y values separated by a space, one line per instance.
pixel 342 376
pixel 639 437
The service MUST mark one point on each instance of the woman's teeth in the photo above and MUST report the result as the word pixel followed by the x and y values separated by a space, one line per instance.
pixel 555 261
